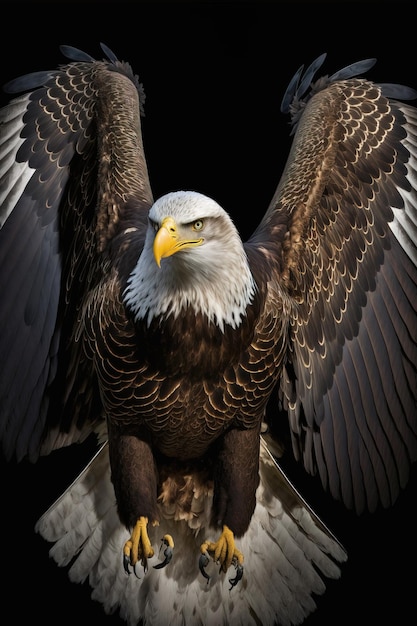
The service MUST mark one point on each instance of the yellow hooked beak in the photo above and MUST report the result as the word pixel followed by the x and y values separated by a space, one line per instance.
pixel 167 241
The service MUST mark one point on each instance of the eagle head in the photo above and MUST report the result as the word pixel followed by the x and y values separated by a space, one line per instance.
pixel 193 257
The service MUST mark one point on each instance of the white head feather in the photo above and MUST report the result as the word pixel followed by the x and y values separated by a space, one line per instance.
pixel 213 278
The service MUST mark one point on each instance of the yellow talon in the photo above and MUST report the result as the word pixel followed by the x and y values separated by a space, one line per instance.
pixel 222 551
pixel 138 546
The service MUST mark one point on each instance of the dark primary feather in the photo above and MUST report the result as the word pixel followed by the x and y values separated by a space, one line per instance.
pixel 301 81
pixel 74 54
pixel 29 81
pixel 293 101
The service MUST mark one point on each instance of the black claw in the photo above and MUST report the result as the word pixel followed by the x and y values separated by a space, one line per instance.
pixel 239 574
pixel 128 567
pixel 144 563
pixel 168 552
pixel 202 564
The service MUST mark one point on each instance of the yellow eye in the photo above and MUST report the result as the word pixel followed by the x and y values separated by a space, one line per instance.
pixel 198 225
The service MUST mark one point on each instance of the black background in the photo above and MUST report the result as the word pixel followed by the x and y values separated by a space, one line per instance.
pixel 214 75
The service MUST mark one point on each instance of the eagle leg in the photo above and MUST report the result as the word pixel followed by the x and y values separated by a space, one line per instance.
pixel 168 541
pixel 222 551
pixel 138 547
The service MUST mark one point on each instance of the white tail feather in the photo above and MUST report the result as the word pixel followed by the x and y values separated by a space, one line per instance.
pixel 288 553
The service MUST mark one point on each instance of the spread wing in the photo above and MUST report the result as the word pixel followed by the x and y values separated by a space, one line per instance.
pixel 348 256
pixel 58 164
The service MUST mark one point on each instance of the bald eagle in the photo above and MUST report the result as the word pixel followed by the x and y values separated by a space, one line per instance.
pixel 188 353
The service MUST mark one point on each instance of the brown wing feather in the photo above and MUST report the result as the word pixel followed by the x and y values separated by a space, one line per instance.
pixel 78 168
pixel 351 380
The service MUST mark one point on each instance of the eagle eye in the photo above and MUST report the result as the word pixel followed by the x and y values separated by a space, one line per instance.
pixel 198 225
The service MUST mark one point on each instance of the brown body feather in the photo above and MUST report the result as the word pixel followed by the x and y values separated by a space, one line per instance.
pixel 185 392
